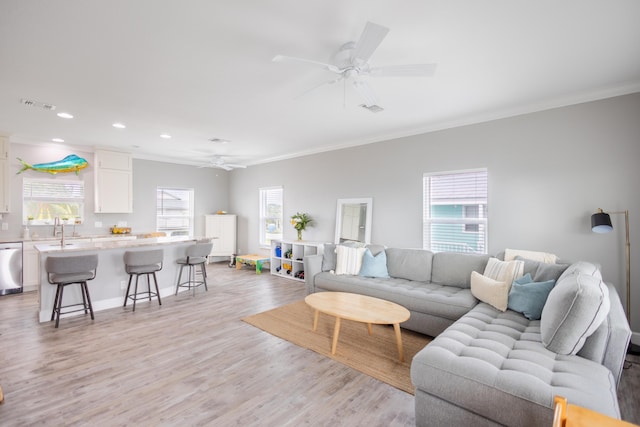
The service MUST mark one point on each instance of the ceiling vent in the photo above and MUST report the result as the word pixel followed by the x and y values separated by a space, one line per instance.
pixel 38 104
pixel 373 108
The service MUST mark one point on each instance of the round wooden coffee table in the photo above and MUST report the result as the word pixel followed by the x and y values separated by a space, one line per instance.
pixel 359 308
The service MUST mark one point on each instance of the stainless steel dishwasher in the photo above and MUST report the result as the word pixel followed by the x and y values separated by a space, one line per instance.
pixel 10 268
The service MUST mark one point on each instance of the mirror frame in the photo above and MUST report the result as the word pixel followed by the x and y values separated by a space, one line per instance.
pixel 367 230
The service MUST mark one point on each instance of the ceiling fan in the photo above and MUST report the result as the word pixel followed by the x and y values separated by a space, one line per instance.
pixel 219 162
pixel 351 62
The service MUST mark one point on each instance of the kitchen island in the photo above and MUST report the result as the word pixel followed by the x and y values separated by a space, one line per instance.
pixel 108 288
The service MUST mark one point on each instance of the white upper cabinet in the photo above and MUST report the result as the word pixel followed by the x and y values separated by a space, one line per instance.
pixel 113 182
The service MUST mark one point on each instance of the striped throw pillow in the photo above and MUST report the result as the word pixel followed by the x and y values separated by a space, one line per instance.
pixel 349 260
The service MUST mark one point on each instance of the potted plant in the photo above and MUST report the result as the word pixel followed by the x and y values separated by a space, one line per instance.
pixel 300 222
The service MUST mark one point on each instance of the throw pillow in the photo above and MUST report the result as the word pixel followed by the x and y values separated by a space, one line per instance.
pixel 329 257
pixel 541 271
pixel 491 291
pixel 504 271
pixel 511 254
pixel 348 260
pixel 374 266
pixel 575 308
pixel 528 297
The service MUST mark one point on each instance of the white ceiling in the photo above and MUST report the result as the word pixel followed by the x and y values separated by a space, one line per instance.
pixel 200 69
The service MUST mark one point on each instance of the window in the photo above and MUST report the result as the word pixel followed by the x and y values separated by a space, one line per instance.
pixel 174 211
pixel 45 199
pixel 455 211
pixel 270 215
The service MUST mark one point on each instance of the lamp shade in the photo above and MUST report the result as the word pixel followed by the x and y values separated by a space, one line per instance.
pixel 601 222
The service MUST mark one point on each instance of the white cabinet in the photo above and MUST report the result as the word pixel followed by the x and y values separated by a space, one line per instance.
pixel 113 182
pixel 221 229
pixel 287 257
pixel 5 181
pixel 30 267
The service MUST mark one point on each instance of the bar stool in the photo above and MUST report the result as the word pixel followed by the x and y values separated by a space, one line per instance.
pixel 137 263
pixel 196 255
pixel 69 270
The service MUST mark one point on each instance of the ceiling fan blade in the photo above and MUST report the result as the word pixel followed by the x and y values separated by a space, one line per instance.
pixel 366 91
pixel 306 92
pixel 328 67
pixel 407 70
pixel 370 39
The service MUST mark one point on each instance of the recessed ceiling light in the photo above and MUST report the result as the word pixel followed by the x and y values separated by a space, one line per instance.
pixel 165 136
pixel 65 115
pixel 57 139
pixel 118 125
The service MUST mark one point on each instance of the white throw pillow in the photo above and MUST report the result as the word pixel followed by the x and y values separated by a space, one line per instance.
pixel 504 271
pixel 349 260
pixel 491 291
pixel 547 258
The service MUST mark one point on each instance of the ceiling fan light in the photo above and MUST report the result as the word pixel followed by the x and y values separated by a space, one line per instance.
pixel 373 108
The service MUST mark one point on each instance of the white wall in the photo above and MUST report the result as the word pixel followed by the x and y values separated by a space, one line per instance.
pixel 210 185
pixel 548 172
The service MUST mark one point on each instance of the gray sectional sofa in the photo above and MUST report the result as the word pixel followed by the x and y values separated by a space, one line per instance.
pixel 492 367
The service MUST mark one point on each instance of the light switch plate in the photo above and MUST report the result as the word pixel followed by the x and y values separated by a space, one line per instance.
pixel 97 224
pixel 5 226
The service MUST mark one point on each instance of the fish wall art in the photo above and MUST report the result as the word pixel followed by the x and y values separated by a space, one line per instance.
pixel 71 163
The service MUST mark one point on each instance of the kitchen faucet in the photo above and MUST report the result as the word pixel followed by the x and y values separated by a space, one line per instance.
pixel 58 232
pixel 57 227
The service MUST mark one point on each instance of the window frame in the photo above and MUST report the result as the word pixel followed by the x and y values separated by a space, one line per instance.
pixel 80 201
pixel 480 199
pixel 174 231
pixel 263 239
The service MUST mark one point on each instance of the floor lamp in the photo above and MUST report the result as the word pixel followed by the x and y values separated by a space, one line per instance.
pixel 601 223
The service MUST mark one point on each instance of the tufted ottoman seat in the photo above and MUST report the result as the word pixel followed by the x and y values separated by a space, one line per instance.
pixel 495 357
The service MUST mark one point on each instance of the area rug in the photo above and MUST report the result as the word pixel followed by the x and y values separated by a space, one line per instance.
pixel 375 355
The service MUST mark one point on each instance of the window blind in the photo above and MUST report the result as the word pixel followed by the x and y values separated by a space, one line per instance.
pixel 271 214
pixel 455 213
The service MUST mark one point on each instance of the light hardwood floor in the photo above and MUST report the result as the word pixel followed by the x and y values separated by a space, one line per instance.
pixel 192 361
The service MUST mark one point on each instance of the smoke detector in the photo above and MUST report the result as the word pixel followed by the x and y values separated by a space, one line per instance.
pixel 38 104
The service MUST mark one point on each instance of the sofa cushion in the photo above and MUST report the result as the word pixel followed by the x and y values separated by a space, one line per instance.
pixel 528 297
pixel 493 364
pixel 448 302
pixel 374 266
pixel 582 267
pixel 491 291
pixel 454 269
pixel 542 271
pixel 410 264
pixel 575 308
pixel 348 260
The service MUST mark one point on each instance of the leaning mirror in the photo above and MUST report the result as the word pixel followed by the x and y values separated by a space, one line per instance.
pixel 353 220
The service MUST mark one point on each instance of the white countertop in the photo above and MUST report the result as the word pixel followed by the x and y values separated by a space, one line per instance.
pixel 101 243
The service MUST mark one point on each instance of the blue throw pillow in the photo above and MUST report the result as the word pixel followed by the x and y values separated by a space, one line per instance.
pixel 528 297
pixel 374 266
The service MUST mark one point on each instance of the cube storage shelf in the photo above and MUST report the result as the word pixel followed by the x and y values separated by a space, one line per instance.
pixel 287 257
